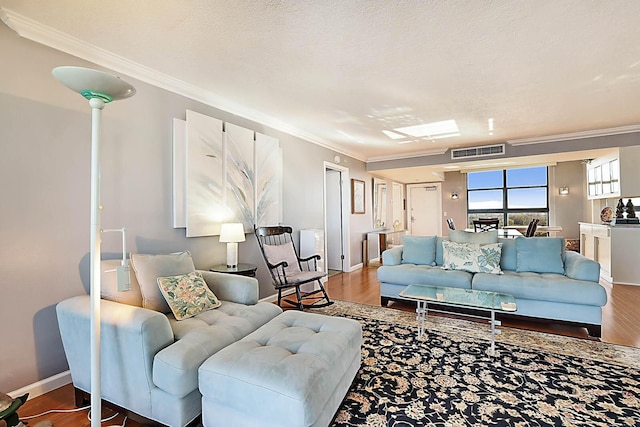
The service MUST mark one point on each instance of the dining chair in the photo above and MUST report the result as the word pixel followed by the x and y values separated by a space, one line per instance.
pixel 532 227
pixel 485 224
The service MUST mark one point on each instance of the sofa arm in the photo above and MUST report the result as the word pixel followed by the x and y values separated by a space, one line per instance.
pixel 579 267
pixel 392 256
pixel 232 287
pixel 130 337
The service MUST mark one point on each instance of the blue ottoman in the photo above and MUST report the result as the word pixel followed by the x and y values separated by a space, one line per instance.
pixel 293 371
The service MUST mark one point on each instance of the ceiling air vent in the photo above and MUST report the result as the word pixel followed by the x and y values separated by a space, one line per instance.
pixel 470 152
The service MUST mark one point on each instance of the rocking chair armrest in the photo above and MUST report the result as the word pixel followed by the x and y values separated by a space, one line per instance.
pixel 312 257
pixel 282 264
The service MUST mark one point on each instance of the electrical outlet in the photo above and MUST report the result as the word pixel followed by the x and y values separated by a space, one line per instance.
pixel 444 214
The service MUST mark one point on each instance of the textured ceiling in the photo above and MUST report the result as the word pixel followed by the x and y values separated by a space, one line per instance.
pixel 342 71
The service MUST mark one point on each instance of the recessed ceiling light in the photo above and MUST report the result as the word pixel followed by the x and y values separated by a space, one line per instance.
pixel 445 127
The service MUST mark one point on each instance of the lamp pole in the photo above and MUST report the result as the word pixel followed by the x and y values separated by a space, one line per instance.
pixel 99 88
pixel 96 128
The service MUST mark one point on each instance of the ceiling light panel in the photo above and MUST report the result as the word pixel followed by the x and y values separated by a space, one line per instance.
pixel 431 129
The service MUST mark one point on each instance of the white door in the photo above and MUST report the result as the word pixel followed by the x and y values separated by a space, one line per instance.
pixel 334 219
pixel 424 209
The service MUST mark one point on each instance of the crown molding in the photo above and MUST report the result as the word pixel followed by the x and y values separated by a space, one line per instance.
pixel 576 135
pixel 47 36
pixel 433 152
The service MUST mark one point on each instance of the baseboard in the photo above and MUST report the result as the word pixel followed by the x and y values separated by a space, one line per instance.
pixel 43 386
pixel 274 297
pixel 356 267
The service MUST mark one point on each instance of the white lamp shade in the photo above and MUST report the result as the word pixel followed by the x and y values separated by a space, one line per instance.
pixel 232 232
pixel 93 83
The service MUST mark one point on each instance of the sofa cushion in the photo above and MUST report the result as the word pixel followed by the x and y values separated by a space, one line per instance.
pixel 149 267
pixel 509 254
pixel 410 274
pixel 109 285
pixel 419 250
pixel 187 295
pixel 540 254
pixel 461 236
pixel 472 257
pixel 542 287
pixel 439 253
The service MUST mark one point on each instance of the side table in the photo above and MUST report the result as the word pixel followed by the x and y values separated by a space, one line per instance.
pixel 241 270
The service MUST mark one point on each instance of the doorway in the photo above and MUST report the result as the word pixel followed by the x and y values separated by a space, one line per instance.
pixel 335 218
pixel 424 209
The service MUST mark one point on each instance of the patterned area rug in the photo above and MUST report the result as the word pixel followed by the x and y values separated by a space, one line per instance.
pixel 448 378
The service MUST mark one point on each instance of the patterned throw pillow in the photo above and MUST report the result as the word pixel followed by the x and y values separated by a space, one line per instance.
pixel 187 295
pixel 489 258
pixel 472 257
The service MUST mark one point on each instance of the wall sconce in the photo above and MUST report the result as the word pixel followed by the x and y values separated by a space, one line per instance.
pixel 564 190
pixel 231 234
pixel 455 196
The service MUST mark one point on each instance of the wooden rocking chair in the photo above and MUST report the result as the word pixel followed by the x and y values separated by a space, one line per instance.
pixel 288 270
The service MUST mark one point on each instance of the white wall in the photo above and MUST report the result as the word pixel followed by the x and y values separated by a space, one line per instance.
pixel 44 172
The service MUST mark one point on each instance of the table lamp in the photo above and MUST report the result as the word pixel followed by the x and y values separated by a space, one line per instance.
pixel 231 234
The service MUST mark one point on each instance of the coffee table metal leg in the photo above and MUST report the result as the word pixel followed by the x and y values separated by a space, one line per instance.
pixel 494 331
pixel 421 315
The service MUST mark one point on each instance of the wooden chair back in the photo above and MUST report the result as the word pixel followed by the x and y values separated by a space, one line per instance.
pixel 485 224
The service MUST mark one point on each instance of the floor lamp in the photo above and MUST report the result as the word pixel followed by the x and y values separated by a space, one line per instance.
pixel 99 88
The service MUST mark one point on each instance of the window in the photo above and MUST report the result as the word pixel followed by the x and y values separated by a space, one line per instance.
pixel 514 196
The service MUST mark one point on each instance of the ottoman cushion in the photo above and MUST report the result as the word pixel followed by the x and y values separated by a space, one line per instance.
pixel 293 371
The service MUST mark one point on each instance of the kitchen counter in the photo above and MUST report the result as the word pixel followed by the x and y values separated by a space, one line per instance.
pixel 615 247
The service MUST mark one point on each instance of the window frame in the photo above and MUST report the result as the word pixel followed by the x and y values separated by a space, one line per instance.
pixel 503 214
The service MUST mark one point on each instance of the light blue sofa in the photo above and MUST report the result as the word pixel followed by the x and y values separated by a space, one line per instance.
pixel 546 281
pixel 150 360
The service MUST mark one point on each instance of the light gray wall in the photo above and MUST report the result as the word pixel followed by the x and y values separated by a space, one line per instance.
pixel 569 209
pixel 45 171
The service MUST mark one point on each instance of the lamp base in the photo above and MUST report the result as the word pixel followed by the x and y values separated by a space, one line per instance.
pixel 232 255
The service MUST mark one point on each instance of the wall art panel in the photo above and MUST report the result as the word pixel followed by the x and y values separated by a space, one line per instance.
pixel 268 168
pixel 224 173
pixel 206 209
pixel 239 155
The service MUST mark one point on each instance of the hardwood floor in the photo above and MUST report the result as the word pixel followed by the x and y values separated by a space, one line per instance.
pixel 621 325
pixel 63 398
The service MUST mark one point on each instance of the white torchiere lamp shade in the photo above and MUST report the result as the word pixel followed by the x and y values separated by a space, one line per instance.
pixel 99 88
pixel 231 234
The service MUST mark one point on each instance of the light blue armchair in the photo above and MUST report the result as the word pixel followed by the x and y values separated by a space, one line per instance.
pixel 150 360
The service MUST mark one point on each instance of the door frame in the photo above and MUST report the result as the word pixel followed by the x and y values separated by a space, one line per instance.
pixel 438 187
pixel 344 198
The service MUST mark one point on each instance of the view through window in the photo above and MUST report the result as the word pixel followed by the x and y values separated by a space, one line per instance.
pixel 514 196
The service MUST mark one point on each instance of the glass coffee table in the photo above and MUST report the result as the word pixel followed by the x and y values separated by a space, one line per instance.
pixel 456 297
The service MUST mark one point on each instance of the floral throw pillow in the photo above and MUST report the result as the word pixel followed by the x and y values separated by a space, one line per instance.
pixel 472 257
pixel 187 295
pixel 489 258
